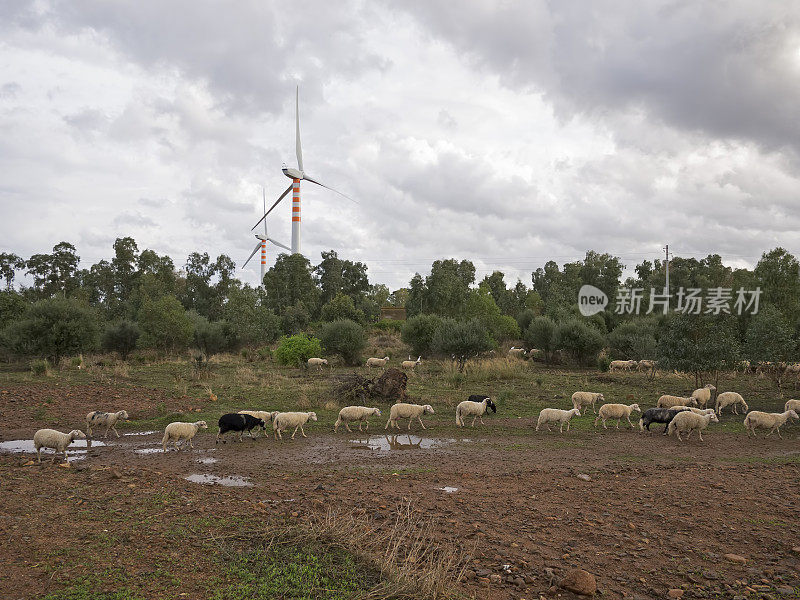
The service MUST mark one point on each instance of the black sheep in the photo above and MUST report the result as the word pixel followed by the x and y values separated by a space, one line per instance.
pixel 657 415
pixel 481 398
pixel 238 423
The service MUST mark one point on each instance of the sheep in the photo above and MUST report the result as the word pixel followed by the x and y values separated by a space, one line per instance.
pixel 581 399
pixel 377 362
pixel 355 413
pixel 756 418
pixel 178 431
pixel 728 399
pixel 237 423
pixel 97 418
pixel 518 352
pixel 616 411
pixel 667 401
pixel 704 394
pixel 646 365
pixel 410 364
pixel 317 362
pixel 50 438
pixel 622 365
pixel 686 420
pixel 556 415
pixel 284 420
pixel 264 415
pixel 659 415
pixel 792 405
pixel 476 405
pixel 403 410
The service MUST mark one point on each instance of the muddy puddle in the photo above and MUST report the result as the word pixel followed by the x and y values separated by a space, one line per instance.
pixel 141 433
pixel 207 461
pixel 229 481
pixel 387 443
pixel 448 489
pixel 77 450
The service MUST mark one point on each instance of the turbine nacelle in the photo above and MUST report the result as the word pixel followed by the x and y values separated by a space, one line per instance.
pixel 292 173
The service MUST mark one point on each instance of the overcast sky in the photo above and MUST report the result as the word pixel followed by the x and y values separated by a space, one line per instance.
pixel 508 133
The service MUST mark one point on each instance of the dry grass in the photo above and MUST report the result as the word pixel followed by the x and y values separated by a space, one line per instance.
pixel 489 369
pixel 302 402
pixel 331 405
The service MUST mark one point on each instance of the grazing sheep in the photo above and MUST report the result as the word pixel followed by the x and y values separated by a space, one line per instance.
pixel 556 415
pixel 730 399
pixel 283 420
pixel 686 420
pixel 792 405
pixel 476 405
pixel 410 364
pixel 355 413
pixel 317 362
pixel 773 421
pixel 646 365
pixel 667 401
pixel 659 415
pixel 238 423
pixel 264 415
pixel 377 362
pixel 403 410
pixel 98 419
pixel 518 352
pixel 616 411
pixel 622 365
pixel 178 431
pixel 50 438
pixel 581 399
pixel 703 395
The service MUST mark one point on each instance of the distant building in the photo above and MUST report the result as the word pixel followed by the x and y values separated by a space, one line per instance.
pixel 393 313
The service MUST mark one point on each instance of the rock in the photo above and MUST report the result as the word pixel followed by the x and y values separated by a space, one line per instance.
pixel 785 590
pixel 796 549
pixel 580 582
pixel 675 593
pixel 494 578
pixel 583 477
pixel 735 558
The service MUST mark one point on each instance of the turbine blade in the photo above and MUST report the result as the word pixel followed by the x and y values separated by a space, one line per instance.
pixel 306 177
pixel 279 244
pixel 252 254
pixel 297 115
pixel 264 197
pixel 282 196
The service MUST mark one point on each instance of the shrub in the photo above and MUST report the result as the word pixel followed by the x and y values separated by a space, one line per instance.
pixel 633 340
pixel 295 319
pixel 583 341
pixel 603 363
pixel 341 307
pixel 418 333
pixel 40 367
pixel 121 337
pixel 463 340
pixel 54 328
pixel 213 338
pixel 297 349
pixel 345 338
pixel 525 318
pixel 540 334
pixel 390 325
pixel 165 325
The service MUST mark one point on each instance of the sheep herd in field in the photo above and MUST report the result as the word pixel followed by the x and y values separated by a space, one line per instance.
pixel 680 415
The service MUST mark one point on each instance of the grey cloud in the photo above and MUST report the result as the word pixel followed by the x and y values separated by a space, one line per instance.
pixel 134 219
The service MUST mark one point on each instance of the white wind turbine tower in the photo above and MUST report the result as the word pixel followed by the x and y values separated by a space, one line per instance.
pixel 296 175
pixel 262 243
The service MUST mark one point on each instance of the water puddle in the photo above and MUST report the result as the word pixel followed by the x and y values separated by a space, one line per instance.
pixel 77 450
pixel 207 461
pixel 230 481
pixel 448 489
pixel 385 443
pixel 148 451
pixel 141 433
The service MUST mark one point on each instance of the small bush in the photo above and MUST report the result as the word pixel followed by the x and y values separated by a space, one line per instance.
pixel 603 363
pixel 76 361
pixel 40 367
pixel 525 318
pixel 583 341
pixel 264 353
pixel 390 325
pixel 345 338
pixel 121 338
pixel 295 350
pixel 418 333
pixel 213 338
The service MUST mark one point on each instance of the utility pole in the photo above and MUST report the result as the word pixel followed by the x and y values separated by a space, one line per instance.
pixel 666 286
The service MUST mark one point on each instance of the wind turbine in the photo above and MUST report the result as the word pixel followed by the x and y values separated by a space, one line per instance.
pixel 296 175
pixel 262 243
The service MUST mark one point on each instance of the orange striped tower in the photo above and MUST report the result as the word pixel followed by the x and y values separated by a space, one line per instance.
pixel 295 216
pixel 263 261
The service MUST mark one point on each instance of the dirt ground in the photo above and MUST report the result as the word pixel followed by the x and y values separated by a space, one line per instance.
pixel 654 514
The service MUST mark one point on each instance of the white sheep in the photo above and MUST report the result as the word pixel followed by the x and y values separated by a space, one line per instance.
pixel 355 413
pixel 50 438
pixel 475 408
pixel 264 415
pixel 581 399
pixel 410 364
pixel 697 411
pixel 98 419
pixel 518 352
pixel 667 401
pixel 403 410
pixel 285 420
pixel 646 365
pixel 792 405
pixel 687 421
pixel 317 362
pixel 377 362
pixel 180 431
pixel 622 365
pixel 730 399
pixel 556 415
pixel 616 411
pixel 704 394
pixel 773 421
